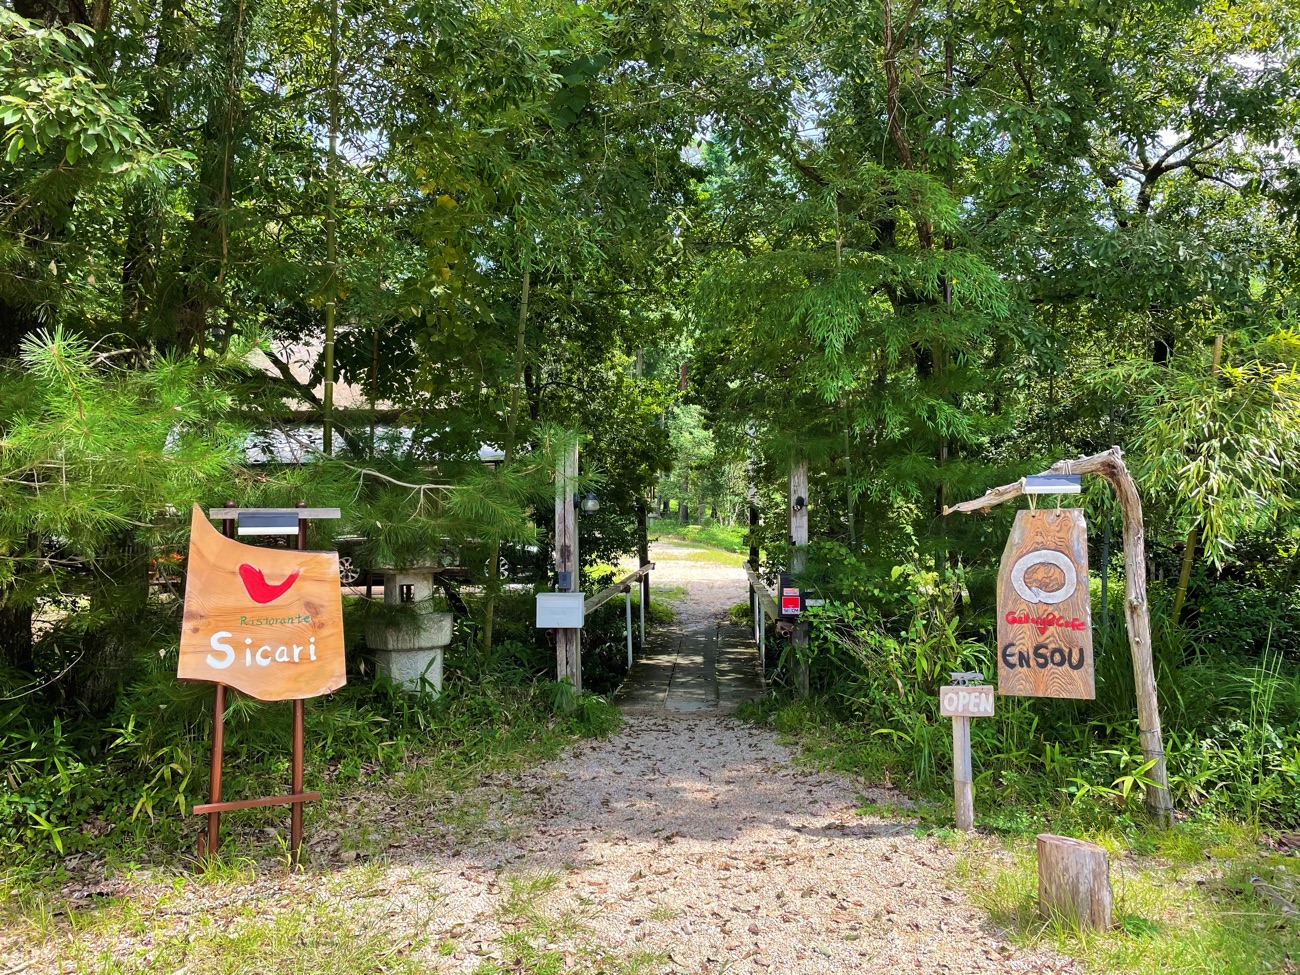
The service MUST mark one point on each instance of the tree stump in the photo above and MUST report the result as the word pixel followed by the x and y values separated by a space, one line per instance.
pixel 1074 881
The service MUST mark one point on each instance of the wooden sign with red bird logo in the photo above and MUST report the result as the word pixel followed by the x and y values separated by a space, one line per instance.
pixel 266 621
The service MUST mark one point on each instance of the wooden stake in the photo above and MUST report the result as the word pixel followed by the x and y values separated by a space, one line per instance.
pixel 1110 465
pixel 963 795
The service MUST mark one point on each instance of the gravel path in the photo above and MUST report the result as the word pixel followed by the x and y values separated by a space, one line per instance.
pixel 712 588
pixel 694 837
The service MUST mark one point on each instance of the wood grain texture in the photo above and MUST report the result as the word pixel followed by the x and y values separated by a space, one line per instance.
pixel 975 701
pixel 1044 607
pixel 963 791
pixel 765 600
pixel 289 645
pixel 1074 881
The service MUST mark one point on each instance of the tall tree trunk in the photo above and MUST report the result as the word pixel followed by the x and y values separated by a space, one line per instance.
pixel 16 642
pixel 143 204
pixel 118 600
pixel 331 236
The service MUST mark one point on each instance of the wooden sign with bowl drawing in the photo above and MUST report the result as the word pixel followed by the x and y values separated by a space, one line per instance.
pixel 1044 607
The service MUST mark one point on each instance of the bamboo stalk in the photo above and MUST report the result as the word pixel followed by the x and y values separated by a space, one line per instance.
pixel 1194 535
pixel 331 236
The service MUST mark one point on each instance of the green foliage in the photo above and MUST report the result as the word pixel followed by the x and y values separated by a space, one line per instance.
pixel 123 787
pixel 1231 723
pixel 93 449
pixel 1221 445
pixel 925 248
pixel 51 103
pixel 1171 913
pixel 729 539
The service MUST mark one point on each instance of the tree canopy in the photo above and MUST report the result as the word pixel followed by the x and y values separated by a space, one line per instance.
pixel 924 246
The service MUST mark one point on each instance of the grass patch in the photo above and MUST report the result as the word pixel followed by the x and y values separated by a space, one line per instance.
pixel 298 930
pixel 671 594
pixel 733 539
pixel 376 755
pixel 362 920
pixel 1174 912
pixel 1184 900
pixel 540 941
pixel 447 775
pixel 697 553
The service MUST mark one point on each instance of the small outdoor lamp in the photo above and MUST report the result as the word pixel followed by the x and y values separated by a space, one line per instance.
pixel 590 504
pixel 800 503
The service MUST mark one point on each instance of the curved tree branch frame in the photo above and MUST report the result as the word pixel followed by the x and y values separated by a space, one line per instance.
pixel 1110 465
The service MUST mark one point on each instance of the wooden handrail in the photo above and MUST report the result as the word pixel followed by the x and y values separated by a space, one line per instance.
pixel 770 609
pixel 609 592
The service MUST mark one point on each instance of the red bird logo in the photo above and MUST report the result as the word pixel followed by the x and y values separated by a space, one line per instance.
pixel 261 590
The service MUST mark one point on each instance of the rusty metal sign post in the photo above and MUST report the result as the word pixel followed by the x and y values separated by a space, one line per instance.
pixel 274 640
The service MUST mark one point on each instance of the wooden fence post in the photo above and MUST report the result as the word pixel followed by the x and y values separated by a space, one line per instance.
pixel 568 642
pixel 798 508
pixel 643 559
pixel 963 794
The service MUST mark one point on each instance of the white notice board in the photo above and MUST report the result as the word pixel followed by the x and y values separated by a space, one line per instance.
pixel 560 610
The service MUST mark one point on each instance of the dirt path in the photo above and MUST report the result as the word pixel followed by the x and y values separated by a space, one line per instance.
pixel 695 837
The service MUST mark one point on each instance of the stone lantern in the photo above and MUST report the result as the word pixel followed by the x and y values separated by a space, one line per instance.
pixel 409 648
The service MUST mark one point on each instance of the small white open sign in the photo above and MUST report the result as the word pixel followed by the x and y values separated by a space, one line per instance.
pixel 966 702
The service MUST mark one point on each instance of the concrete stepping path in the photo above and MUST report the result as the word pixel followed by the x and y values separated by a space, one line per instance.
pixel 702 662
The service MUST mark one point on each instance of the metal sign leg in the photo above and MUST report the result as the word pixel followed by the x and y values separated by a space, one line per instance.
pixel 295 816
pixel 209 842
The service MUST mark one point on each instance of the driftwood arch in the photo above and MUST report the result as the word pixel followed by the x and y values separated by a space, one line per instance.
pixel 1110 465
